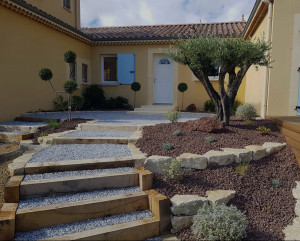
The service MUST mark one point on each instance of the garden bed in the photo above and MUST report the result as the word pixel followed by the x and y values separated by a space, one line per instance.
pixel 269 209
pixel 63 126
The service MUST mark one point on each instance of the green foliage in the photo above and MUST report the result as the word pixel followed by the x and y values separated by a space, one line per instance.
pixel 43 133
pixel 209 106
pixel 236 104
pixel 246 112
pixel 276 183
pixel 242 168
pixel 182 87
pixel 59 103
pixel 263 130
pixel 168 146
pixel 45 74
pixel 53 124
pixel 209 139
pixel 173 170
pixel 172 116
pixel 239 134
pixel 249 122
pixel 118 103
pixel 77 102
pixel 70 57
pixel 136 86
pixel 219 222
pixel 70 86
pixel 94 97
pixel 177 133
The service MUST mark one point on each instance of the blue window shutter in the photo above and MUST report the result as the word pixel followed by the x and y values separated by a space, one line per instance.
pixel 126 68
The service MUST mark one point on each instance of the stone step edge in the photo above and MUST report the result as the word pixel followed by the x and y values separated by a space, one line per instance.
pixel 52 215
pixel 135 230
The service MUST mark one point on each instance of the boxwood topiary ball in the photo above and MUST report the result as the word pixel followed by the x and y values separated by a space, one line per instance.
pixel 70 86
pixel 135 86
pixel 46 74
pixel 70 57
pixel 182 87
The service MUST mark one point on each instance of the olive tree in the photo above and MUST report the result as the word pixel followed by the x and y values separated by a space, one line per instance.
pixel 233 56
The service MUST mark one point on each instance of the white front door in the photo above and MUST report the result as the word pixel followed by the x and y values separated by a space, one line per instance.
pixel 163 80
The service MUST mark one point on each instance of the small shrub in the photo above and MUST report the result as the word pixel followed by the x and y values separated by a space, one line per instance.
pixel 53 124
pixel 70 86
pixel 94 97
pixel 173 170
pixel 249 122
pixel 236 104
pixel 219 222
pixel 209 139
pixel 59 103
pixel 172 116
pixel 246 112
pixel 242 168
pixel 177 133
pixel 69 57
pixel 263 130
pixel 239 135
pixel 43 133
pixel 118 103
pixel 77 102
pixel 168 146
pixel 209 106
pixel 46 74
pixel 276 183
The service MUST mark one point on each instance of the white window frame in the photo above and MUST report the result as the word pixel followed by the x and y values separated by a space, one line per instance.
pixel 87 73
pixel 65 6
pixel 103 82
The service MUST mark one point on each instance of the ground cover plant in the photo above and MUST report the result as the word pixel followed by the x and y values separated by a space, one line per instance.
pixel 263 188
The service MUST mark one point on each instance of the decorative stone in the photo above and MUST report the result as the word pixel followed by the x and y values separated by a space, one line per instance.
pixel 194 161
pixel 220 196
pixel 181 222
pixel 273 147
pixel 296 193
pixel 259 152
pixel 186 204
pixel 219 157
pixel 156 164
pixel 240 155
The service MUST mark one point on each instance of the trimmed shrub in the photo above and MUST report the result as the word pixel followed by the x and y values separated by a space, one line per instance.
pixel 94 97
pixel 236 104
pixel 135 86
pixel 209 106
pixel 219 222
pixel 172 116
pixel 46 74
pixel 70 86
pixel 59 103
pixel 173 170
pixel 182 87
pixel 246 112
pixel 70 57
pixel 77 102
pixel 118 103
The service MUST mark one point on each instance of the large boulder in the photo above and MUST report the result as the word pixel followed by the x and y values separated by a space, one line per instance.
pixel 272 147
pixel 156 164
pixel 240 155
pixel 220 196
pixel 186 204
pixel 259 152
pixel 181 222
pixel 194 161
pixel 205 124
pixel 220 158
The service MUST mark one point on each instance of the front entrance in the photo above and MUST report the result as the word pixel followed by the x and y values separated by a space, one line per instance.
pixel 163 80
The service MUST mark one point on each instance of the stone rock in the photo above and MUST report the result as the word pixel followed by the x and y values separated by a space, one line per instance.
pixel 259 152
pixel 191 108
pixel 156 164
pixel 194 161
pixel 181 222
pixel 186 204
pixel 220 196
pixel 240 155
pixel 296 193
pixel 205 124
pixel 219 157
pixel 297 208
pixel 272 147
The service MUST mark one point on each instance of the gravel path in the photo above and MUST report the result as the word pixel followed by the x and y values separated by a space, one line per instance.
pixel 80 151
pixel 126 134
pixel 13 132
pixel 22 123
pixel 46 201
pixel 53 175
pixel 70 228
pixel 119 117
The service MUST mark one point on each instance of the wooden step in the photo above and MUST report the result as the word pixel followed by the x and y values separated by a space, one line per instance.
pixel 46 216
pixel 37 188
pixel 288 133
pixel 136 230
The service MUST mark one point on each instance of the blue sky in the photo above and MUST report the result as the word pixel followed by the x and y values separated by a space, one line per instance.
pixel 99 13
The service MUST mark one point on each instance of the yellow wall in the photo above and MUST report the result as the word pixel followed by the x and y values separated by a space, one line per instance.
pixel 56 9
pixel 28 46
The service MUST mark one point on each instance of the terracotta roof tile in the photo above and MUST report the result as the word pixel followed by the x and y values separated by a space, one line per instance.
pixel 160 32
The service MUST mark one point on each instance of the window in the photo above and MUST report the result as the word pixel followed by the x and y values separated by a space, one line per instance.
pixel 72 73
pixel 214 73
pixel 164 61
pixel 67 4
pixel 109 69
pixel 84 73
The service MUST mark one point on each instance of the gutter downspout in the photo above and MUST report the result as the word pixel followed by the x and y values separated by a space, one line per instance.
pixel 266 79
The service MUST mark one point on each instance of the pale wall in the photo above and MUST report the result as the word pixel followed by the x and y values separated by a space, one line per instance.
pixel 28 46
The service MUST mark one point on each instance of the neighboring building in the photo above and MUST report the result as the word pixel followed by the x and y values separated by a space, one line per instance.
pixel 275 91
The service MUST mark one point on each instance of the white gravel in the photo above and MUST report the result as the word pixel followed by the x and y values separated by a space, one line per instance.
pixel 46 201
pixel 70 228
pixel 126 134
pixel 80 151
pixel 13 132
pixel 22 123
pixel 53 175
pixel 119 117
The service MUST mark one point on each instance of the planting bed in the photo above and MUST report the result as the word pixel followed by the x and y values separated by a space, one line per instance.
pixel 269 209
